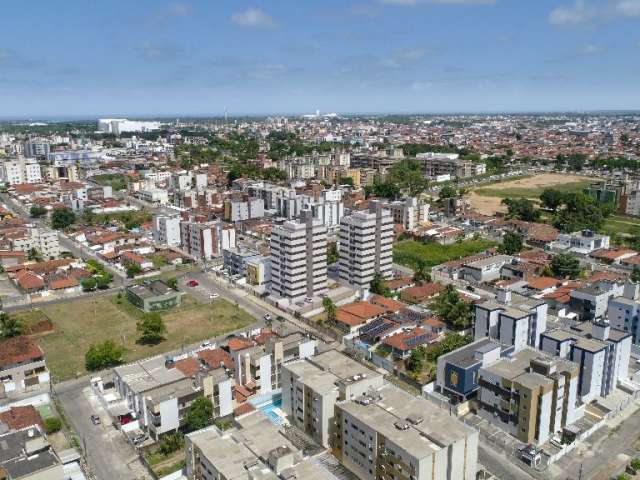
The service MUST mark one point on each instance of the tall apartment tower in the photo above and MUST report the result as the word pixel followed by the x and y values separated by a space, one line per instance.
pixel 299 258
pixel 366 246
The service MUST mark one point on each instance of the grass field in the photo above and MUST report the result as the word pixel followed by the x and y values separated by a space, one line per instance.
pixel 80 323
pixel 531 192
pixel 410 253
pixel 617 224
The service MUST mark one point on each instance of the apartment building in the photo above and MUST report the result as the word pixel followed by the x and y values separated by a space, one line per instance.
pixel 299 259
pixel 206 240
pixel 44 240
pixel 623 312
pixel 236 259
pixel 436 164
pixel 530 395
pixel 237 210
pixel 260 366
pixel 601 352
pixel 457 371
pixel 513 320
pixel 311 388
pixel 166 230
pixel 387 433
pixel 158 391
pixel 157 196
pixel 22 366
pixel 366 246
pixel 410 213
pixel 590 302
pixel 252 449
pixel 24 170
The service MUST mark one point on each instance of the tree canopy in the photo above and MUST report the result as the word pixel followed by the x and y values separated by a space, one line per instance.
pixel 521 209
pixel 511 244
pixel 565 265
pixel 62 218
pixel 9 326
pixel 151 329
pixel 199 414
pixel 408 175
pixel 450 307
pixel 104 355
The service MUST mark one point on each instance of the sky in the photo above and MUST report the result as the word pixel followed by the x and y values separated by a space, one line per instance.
pixel 200 57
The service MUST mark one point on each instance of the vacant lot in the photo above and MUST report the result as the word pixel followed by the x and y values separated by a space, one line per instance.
pixel 80 323
pixel 410 253
pixel 488 200
pixel 622 225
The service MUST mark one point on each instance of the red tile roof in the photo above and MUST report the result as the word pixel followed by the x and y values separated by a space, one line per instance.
pixel 62 283
pixel 213 357
pixel 189 366
pixel 29 281
pixel 357 313
pixel 421 293
pixel 238 343
pixel 18 350
pixel 389 304
pixel 542 283
pixel 17 418
pixel 400 339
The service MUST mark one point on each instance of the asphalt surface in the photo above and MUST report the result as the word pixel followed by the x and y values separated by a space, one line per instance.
pixel 107 451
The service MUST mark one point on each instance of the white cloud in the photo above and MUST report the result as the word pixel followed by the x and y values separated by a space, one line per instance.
pixel 577 14
pixel 411 3
pixel 591 49
pixel 404 56
pixel 253 18
pixel 629 8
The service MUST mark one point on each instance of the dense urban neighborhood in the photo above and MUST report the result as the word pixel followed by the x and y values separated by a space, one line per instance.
pixel 321 297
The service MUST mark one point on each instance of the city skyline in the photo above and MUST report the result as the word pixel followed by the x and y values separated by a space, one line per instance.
pixel 369 56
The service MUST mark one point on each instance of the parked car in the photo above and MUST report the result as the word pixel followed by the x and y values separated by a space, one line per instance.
pixel 213 296
pixel 193 283
pixel 95 419
pixel 267 317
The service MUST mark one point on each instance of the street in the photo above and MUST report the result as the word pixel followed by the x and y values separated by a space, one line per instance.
pixel 107 451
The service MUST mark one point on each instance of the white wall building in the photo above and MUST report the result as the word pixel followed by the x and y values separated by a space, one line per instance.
pixel 366 246
pixel 299 259
pixel 166 230
pixel 121 125
pixel 16 172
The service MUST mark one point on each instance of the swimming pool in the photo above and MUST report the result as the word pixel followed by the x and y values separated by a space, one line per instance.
pixel 271 407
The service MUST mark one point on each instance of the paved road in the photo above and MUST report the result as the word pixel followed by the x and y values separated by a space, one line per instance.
pixel 498 464
pixel 108 453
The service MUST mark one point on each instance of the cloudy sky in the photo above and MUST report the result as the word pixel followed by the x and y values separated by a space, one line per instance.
pixel 156 57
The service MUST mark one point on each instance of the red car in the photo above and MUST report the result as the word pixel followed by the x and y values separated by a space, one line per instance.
pixel 193 283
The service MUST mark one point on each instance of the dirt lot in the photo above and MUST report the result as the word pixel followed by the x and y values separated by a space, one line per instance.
pixel 487 200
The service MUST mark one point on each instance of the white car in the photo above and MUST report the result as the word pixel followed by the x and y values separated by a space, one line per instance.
pixel 213 296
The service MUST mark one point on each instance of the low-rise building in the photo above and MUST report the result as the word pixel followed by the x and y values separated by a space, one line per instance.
pixel 22 366
pixel 485 269
pixel 153 296
pixel 583 242
pixel 26 454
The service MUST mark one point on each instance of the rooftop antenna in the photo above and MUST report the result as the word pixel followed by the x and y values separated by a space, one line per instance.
pixel 225 115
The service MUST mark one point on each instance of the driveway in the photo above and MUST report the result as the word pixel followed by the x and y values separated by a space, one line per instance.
pixel 108 453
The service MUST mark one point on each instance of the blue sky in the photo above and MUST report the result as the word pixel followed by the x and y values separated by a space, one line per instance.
pixel 155 57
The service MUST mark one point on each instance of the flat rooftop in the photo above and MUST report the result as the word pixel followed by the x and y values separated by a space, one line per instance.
pixel 148 374
pixel 517 367
pixel 411 423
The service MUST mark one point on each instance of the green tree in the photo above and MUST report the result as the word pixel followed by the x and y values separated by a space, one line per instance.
pixel 199 415
pixel 37 211
pixel 88 284
pixel 103 281
pixel 580 212
pixel 379 286
pixel 62 218
pixel 448 191
pixel 332 254
pixel 415 361
pixel 104 355
pixel 635 275
pixel 565 265
pixel 450 307
pixel 173 283
pixel 329 308
pixel 170 443
pixel 450 342
pixel 34 255
pixel 422 273
pixel 151 329
pixel 133 269
pixel 511 244
pixel 521 209
pixel 9 326
pixel 52 425
pixel 551 198
pixel 408 175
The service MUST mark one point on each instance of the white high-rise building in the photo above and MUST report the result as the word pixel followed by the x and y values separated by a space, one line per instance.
pixel 15 172
pixel 121 125
pixel 366 246
pixel 166 230
pixel 299 258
